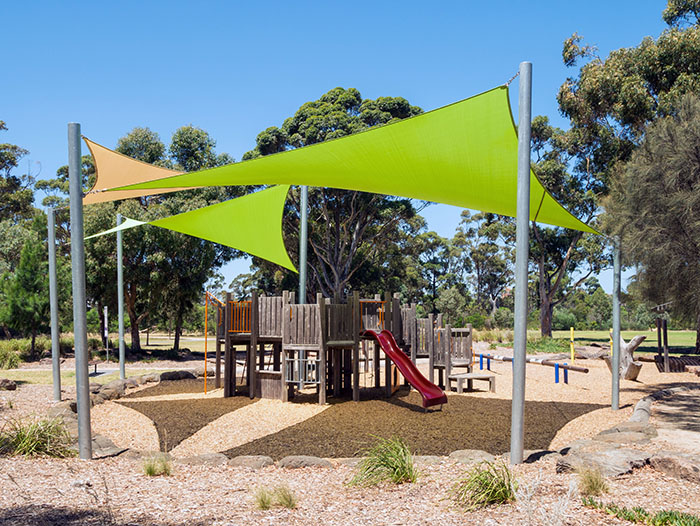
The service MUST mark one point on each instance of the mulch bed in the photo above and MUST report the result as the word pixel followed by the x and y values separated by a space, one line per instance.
pixel 176 420
pixel 347 428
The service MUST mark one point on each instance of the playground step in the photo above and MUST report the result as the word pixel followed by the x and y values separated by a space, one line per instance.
pixel 470 377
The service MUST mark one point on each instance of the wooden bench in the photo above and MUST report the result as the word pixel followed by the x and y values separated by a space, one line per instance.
pixel 93 363
pixel 470 377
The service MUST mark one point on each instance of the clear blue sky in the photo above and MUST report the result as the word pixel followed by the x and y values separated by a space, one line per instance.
pixel 235 68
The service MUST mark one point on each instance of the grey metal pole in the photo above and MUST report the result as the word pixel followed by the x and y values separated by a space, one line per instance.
pixel 77 250
pixel 303 242
pixel 303 246
pixel 522 246
pixel 106 314
pixel 53 300
pixel 120 301
pixel 616 325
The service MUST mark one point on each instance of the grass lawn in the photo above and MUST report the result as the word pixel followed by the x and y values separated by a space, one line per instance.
pixel 678 341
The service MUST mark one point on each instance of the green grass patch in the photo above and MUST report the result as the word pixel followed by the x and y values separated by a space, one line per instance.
pixel 158 466
pixel 484 484
pixel 389 460
pixel 678 341
pixel 31 438
pixel 641 516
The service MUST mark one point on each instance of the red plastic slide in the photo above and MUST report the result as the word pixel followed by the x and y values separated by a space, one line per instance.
pixel 431 393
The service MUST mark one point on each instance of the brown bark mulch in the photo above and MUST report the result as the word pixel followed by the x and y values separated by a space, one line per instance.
pixel 176 420
pixel 347 428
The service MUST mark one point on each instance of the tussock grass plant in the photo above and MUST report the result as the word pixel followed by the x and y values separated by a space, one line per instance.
pixel 591 482
pixel 641 516
pixel 9 358
pixel 45 437
pixel 285 498
pixel 389 460
pixel 263 498
pixel 484 484
pixel 157 465
pixel 266 498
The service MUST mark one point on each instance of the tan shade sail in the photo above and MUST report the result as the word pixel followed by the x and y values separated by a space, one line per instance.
pixel 114 169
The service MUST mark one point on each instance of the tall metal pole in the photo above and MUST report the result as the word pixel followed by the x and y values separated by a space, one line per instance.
pixel 77 251
pixel 522 246
pixel 303 242
pixel 303 246
pixel 120 301
pixel 616 325
pixel 53 300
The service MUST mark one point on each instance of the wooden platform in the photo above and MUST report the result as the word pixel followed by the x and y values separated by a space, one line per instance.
pixel 470 377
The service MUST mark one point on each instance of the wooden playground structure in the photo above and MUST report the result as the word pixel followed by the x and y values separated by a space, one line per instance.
pixel 283 347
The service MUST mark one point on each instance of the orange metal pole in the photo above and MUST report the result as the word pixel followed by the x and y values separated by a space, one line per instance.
pixel 206 337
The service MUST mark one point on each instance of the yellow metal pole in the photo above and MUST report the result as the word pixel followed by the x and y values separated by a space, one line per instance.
pixel 611 343
pixel 571 345
pixel 206 337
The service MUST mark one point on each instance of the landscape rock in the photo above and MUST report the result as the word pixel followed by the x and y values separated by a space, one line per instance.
pixel 7 385
pixel 151 378
pixel 352 462
pixel 140 380
pixel 62 409
pixel 131 382
pixel 623 437
pixel 532 455
pixel 679 465
pixel 199 372
pixel 96 399
pixel 610 462
pixel 177 375
pixel 116 385
pixel 251 461
pixel 103 447
pixel 207 459
pixel 303 461
pixel 469 456
pixel 109 394
pixel 95 388
pixel 632 427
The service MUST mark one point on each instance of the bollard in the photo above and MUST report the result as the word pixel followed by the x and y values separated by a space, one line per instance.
pixel 481 362
pixel 566 375
pixel 571 346
pixel 488 363
pixel 556 373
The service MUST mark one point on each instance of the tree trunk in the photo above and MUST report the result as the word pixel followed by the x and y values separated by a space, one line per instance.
pixel 100 316
pixel 178 330
pixel 697 335
pixel 546 310
pixel 135 336
pixel 33 351
pixel 629 369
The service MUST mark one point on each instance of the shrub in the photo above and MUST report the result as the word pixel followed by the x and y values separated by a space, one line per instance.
pixel 388 460
pixel 9 359
pixel 280 496
pixel 591 482
pixel 157 465
pixel 47 437
pixel 477 320
pixel 485 484
pixel 503 318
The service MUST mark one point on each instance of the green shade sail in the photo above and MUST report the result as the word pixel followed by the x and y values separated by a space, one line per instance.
pixel 464 154
pixel 252 223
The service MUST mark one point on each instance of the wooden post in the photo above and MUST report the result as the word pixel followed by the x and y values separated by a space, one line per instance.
pixel 413 333
pixel 448 356
pixel 430 348
pixel 286 311
pixel 659 347
pixel 322 350
pixel 229 354
pixel 667 365
pixel 356 324
pixel 470 346
pixel 254 329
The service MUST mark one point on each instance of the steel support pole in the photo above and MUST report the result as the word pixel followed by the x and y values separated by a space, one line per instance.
pixel 522 245
pixel 616 325
pixel 77 250
pixel 53 300
pixel 303 246
pixel 303 242
pixel 120 301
